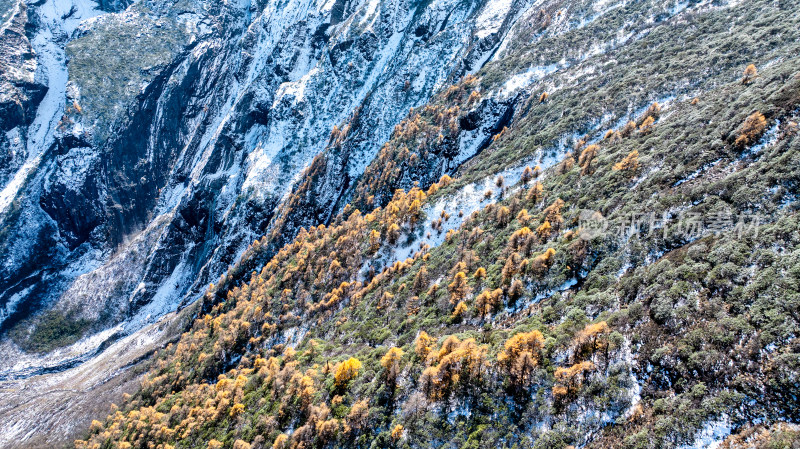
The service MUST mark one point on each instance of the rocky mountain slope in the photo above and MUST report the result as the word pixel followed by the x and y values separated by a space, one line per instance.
pixel 595 242
pixel 136 174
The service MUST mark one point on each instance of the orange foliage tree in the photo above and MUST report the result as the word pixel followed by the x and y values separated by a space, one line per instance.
pixel 346 371
pixel 629 163
pixel 752 128
pixel 391 364
pixel 519 359
pixel 459 288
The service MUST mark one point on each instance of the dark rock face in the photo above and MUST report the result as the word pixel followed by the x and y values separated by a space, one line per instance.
pixel 113 5
pixel 19 93
pixel 76 208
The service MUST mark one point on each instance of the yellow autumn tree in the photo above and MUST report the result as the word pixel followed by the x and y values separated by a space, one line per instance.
pixel 488 301
pixel 457 364
pixel 241 444
pixel 752 128
pixel 421 279
pixel 654 111
pixel 750 73
pixel 523 216
pixel 552 213
pixel 612 136
pixel 460 310
pixel 414 210
pixel 544 230
pixel 423 345
pixel 483 306
pixel 397 432
pixel 516 290
pixel 628 163
pixel 374 240
pixel 587 156
pixel 503 215
pixel 459 287
pixel 628 129
pixel 535 193
pixel 567 163
pixel 519 359
pixel 236 410
pixel 391 363
pixel 527 175
pixel 346 371
pixel 510 268
pixel 357 418
pixel 521 240
pixel 647 125
pixel 541 263
pixel 570 379
pixel 591 339
pixel 393 233
pixel 281 442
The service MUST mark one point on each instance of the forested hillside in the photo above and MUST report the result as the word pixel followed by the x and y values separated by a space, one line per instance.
pixel 638 290
pixel 425 224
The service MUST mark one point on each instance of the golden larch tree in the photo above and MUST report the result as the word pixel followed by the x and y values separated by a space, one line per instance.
pixel 346 371
pixel 752 128
pixel 750 73
pixel 459 287
pixel 628 163
pixel 519 359
pixel 391 364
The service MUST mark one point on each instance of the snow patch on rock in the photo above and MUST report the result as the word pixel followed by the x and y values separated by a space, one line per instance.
pixel 59 19
pixel 711 435
pixel 491 17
